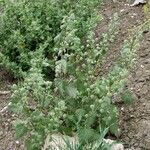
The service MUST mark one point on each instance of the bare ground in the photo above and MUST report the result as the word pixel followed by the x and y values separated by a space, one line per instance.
pixel 134 119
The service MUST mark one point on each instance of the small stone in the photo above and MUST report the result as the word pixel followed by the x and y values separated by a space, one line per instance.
pixel 9 120
pixel 6 124
pixel 134 14
pixel 131 88
pixel 136 144
pixel 131 116
pixel 117 146
pixel 13 115
pixel 138 2
pixel 144 104
pixel 17 142
pixel 122 10
pixel 122 108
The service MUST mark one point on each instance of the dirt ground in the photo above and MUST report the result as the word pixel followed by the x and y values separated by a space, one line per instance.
pixel 134 119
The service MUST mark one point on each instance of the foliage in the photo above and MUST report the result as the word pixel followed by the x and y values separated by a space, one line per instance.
pixel 127 97
pixel 51 45
pixel 29 24
pixel 146 9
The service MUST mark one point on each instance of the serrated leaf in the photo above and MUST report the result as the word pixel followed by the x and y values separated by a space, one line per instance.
pixel 66 130
pixel 80 113
pixel 64 66
pixel 21 130
pixel 90 120
pixel 29 145
pixel 60 84
pixel 16 107
pixel 72 91
pixel 127 97
pixel 47 102
pixel 87 135
pixel 71 69
pixel 80 85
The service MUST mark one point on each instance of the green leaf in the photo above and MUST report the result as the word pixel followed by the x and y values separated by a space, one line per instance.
pixel 114 129
pixel 127 97
pixel 66 130
pixel 80 85
pixel 91 119
pixel 60 84
pixel 100 144
pixel 20 129
pixel 64 66
pixel 14 107
pixel 87 134
pixel 80 113
pixel 72 91
pixel 30 146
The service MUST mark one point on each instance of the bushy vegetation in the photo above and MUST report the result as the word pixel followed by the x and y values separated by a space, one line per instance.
pixel 50 45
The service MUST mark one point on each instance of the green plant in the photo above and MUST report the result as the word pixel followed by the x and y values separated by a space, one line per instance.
pixel 26 25
pixel 52 47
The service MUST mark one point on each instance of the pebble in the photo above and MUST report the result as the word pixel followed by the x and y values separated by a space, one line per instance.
pixel 144 104
pixel 117 146
pixel 122 10
pixel 122 108
pixel 131 116
pixel 17 142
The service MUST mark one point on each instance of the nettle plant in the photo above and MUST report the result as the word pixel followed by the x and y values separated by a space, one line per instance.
pixel 25 25
pixel 51 46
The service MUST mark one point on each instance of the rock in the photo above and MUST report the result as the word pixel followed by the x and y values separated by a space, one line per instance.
pixel 58 141
pixel 17 142
pixel 115 146
pixel 137 2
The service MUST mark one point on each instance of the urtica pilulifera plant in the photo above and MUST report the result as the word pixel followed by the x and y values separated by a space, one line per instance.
pixel 51 46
